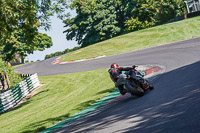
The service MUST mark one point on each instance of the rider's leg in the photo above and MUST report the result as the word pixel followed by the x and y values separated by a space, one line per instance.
pixel 131 73
pixel 120 82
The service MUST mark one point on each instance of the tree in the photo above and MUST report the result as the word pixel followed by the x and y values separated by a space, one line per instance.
pixel 169 9
pixel 19 23
pixel 148 13
pixel 98 20
pixel 123 10
pixel 95 22
pixel 21 47
pixel 26 15
pixel 143 16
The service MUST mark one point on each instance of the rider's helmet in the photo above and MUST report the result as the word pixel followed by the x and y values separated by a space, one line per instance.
pixel 114 65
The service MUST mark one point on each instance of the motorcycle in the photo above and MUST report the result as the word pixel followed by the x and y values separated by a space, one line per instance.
pixel 134 82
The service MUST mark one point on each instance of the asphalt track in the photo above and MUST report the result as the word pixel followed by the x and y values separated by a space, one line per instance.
pixel 173 107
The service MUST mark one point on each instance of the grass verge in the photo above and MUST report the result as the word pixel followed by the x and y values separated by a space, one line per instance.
pixel 158 35
pixel 60 97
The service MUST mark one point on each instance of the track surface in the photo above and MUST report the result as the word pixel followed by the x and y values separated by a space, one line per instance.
pixel 174 105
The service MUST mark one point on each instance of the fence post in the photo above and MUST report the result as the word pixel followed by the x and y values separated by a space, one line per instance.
pixel 7 79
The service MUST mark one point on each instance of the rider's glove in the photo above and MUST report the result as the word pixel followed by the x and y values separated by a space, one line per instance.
pixel 134 66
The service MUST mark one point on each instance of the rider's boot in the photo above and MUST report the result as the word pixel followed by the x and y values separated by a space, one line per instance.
pixel 145 86
pixel 122 90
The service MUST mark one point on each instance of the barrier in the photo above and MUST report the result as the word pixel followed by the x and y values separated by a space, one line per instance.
pixel 13 96
pixel 185 16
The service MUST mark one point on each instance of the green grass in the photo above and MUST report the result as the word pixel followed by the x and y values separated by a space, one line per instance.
pixel 60 97
pixel 158 35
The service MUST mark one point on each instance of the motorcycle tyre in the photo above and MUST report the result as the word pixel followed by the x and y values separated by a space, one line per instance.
pixel 151 87
pixel 135 91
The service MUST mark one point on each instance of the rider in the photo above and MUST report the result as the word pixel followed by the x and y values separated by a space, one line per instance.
pixel 116 71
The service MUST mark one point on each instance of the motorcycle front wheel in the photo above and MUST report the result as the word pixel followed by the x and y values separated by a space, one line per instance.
pixel 134 89
pixel 151 87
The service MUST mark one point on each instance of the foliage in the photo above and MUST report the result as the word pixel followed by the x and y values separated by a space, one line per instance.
pixel 98 20
pixel 23 15
pixel 95 22
pixel 123 12
pixel 134 24
pixel 19 23
pixel 14 78
pixel 61 52
pixel 148 13
pixel 22 47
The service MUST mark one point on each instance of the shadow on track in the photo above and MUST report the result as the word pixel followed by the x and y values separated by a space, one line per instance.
pixel 172 107
pixel 39 125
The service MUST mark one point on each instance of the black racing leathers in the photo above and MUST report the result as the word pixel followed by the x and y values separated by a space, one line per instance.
pixel 114 75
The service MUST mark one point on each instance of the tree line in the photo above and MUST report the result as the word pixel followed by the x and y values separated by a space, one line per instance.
pixel 62 52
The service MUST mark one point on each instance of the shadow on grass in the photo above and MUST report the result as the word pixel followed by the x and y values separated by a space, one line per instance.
pixel 16 107
pixel 106 91
pixel 27 101
pixel 84 105
pixel 44 91
pixel 39 125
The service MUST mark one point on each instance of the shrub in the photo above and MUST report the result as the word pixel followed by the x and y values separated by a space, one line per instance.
pixel 14 78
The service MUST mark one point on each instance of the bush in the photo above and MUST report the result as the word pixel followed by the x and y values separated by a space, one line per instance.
pixel 14 78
